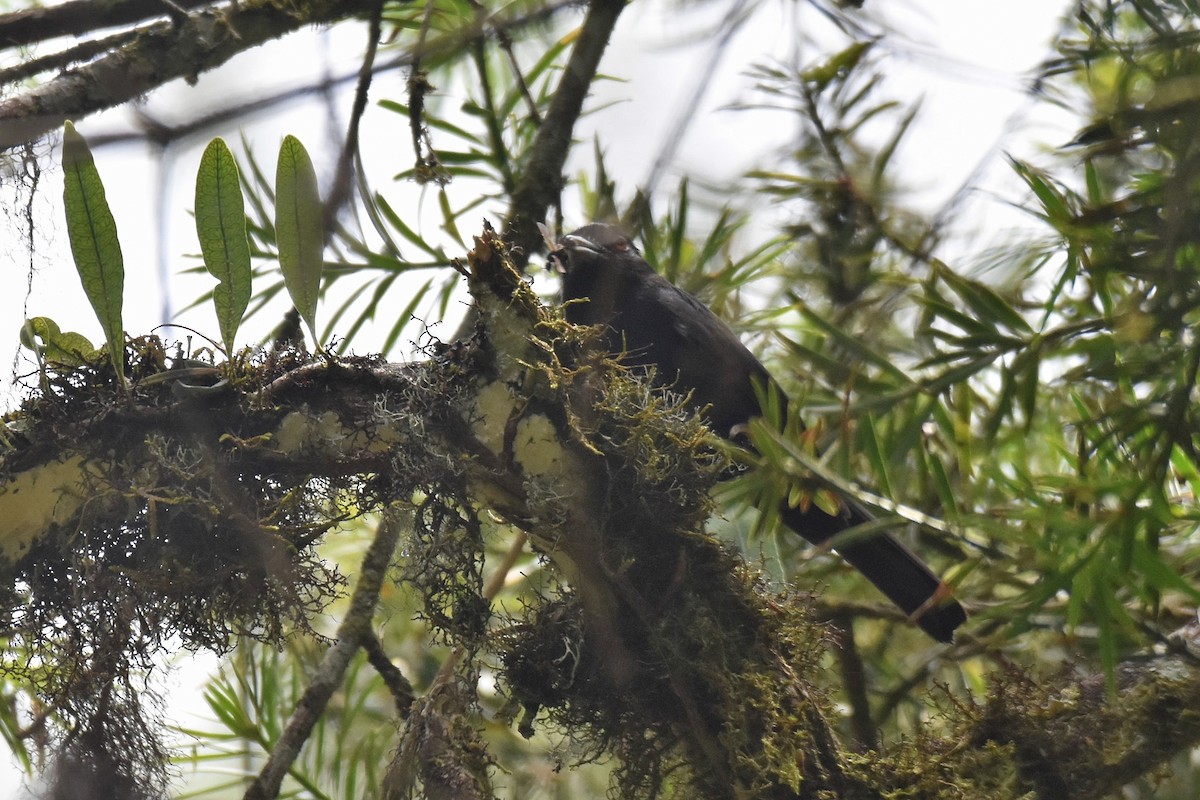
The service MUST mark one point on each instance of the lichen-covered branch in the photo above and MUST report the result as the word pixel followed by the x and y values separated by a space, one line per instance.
pixel 79 18
pixel 160 53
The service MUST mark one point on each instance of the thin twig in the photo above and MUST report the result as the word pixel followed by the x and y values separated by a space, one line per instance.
pixel 541 183
pixel 496 583
pixel 418 87
pixel 60 60
pixel 393 678
pixel 339 193
pixel 506 44
pixel 493 587
pixel 854 682
pixel 332 670
pixel 495 134
pixel 687 116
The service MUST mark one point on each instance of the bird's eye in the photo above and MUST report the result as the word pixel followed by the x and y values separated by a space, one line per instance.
pixel 621 246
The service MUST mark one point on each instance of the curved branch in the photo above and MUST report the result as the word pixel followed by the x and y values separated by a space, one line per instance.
pixel 343 180
pixel 352 635
pixel 542 179
pixel 81 17
pixel 162 52
pixel 62 59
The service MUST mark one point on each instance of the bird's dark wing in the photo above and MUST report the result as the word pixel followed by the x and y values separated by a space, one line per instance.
pixel 692 350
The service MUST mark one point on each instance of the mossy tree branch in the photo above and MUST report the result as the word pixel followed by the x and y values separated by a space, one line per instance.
pixel 668 651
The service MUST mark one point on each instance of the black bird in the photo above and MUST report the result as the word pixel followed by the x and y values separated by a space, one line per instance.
pixel 654 323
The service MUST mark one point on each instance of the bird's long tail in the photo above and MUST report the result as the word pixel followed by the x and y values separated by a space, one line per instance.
pixel 886 562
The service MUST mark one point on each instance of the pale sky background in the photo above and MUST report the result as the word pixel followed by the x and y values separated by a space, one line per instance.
pixel 968 61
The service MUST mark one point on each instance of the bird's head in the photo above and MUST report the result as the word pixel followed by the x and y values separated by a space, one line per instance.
pixel 594 247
